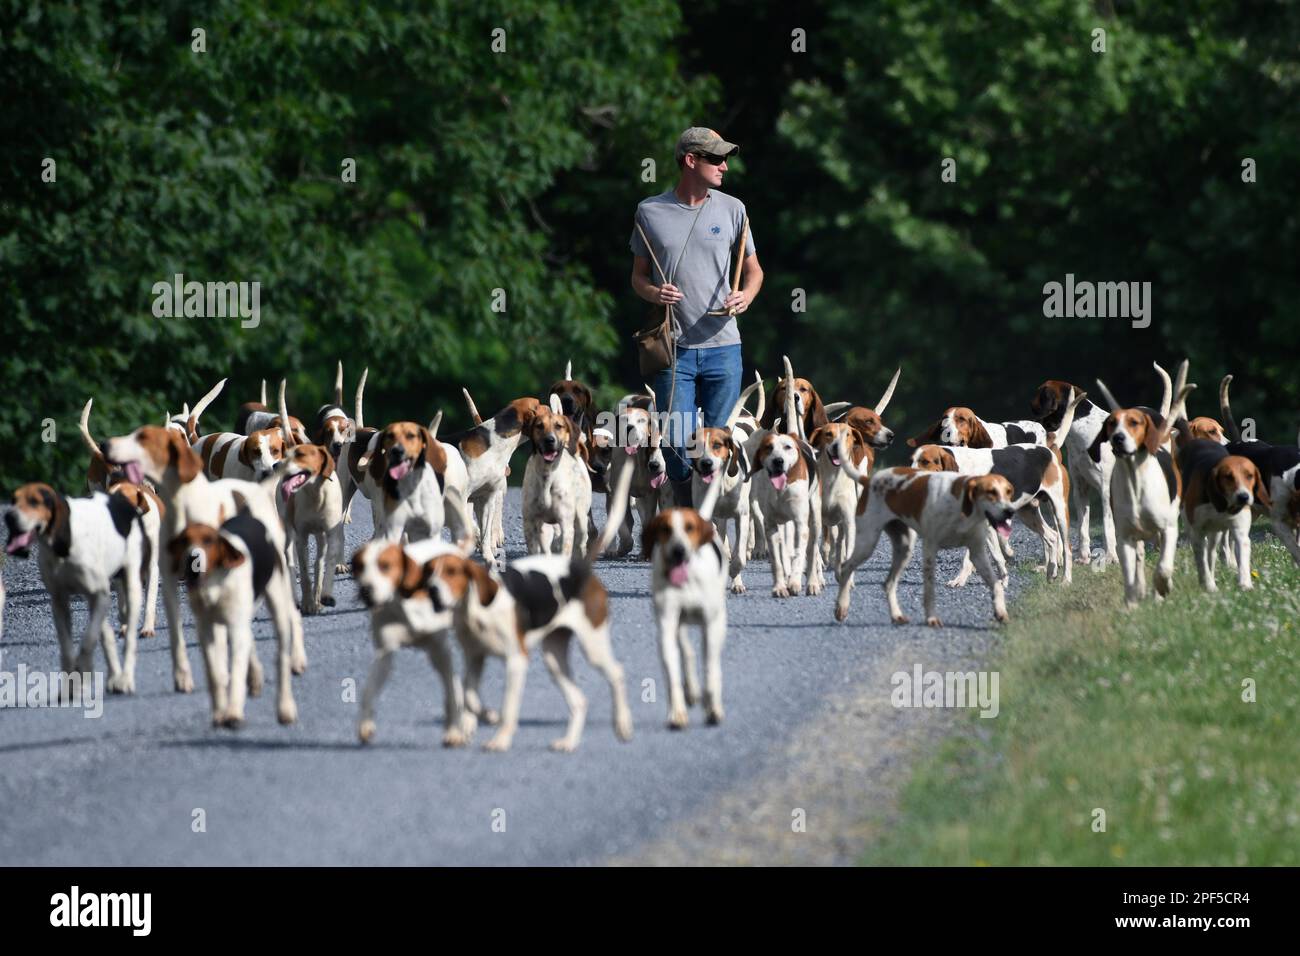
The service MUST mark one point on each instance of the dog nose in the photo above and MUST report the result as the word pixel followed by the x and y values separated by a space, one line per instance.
pixel 395 453
pixel 1243 497
pixel 706 465
pixel 677 554
pixel 779 463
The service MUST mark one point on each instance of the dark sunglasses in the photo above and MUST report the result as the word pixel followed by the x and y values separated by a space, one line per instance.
pixel 711 158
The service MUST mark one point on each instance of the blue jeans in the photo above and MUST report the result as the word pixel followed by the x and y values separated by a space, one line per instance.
pixel 706 378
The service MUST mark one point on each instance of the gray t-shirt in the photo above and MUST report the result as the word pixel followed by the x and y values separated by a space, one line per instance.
pixel 704 273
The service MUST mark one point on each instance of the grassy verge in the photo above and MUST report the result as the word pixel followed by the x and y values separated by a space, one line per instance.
pixel 1139 714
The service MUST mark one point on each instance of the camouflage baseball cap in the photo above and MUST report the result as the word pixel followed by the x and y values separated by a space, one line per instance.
pixel 699 139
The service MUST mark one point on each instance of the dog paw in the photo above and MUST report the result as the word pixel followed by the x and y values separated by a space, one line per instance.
pixel 147 632
pixel 342 569
pixel 737 587
pixel 288 713
pixel 184 682
pixel 901 619
pixel 232 721
pixel 299 664
pixel 714 716
pixel 327 600
pixel 562 746
pixel 815 587
pixel 678 720
pixel 780 591
pixel 933 621
pixel 498 744
pixel 123 683
pixel 623 726
pixel 366 731
pixel 455 737
pixel 841 612
pixel 957 583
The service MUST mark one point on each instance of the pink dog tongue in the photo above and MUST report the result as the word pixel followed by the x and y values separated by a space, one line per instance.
pixel 677 575
pixel 398 472
pixel 630 449
pixel 835 461
pixel 658 480
pixel 707 479
pixel 23 540
pixel 778 481
pixel 550 455
pixel 1005 531
pixel 134 473
pixel 292 484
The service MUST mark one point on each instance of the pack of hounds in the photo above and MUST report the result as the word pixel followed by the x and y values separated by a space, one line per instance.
pixel 236 516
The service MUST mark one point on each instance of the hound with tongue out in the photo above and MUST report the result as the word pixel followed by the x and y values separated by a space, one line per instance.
pixel 788 497
pixel 688 584
pixel 557 485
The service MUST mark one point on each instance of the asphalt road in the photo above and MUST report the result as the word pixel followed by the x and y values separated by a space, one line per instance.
pixel 127 788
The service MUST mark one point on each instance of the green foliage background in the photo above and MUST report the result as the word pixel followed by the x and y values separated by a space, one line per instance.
pixel 521 170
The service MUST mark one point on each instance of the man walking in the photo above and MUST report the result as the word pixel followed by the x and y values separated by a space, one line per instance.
pixel 693 228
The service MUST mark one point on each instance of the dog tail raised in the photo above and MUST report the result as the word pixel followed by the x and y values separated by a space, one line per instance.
pixel 614 517
pixel 192 421
pixel 84 427
pixel 1226 410
pixel 1055 439
pixel 473 409
pixel 361 390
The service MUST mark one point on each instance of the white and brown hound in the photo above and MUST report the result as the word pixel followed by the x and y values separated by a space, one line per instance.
pixel 335 431
pixel 245 457
pixel 635 443
pixel 392 581
pixel 785 484
pixel 688 577
pixel 557 486
pixel 311 504
pixel 1279 467
pixel 227 571
pixel 1145 492
pixel 164 457
pixel 720 461
pixel 947 510
pixel 151 510
pixel 1219 492
pixel 91 547
pixel 960 426
pixel 487 449
pixel 542 599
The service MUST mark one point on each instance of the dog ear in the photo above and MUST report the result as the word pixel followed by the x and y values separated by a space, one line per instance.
pixel 60 529
pixel 809 453
pixel 1260 490
pixel 815 438
pixel 650 533
pixel 328 468
pixel 928 437
pixel 1152 439
pixel 979 436
pixel 435 455
pixel 1217 498
pixel 412 575
pixel 228 556
pixel 968 496
pixel 188 464
pixel 949 461
pixel 734 457
pixel 816 415
pixel 378 454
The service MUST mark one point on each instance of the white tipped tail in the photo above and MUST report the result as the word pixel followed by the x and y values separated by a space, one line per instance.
pixel 792 423
pixel 84 425
pixel 473 409
pixel 284 418
pixel 1110 399
pixel 614 517
pixel 889 392
pixel 338 385
pixel 192 418
pixel 1167 395
pixel 264 405
pixel 435 424
pixel 568 370
pixel 737 408
pixel 1056 439
pixel 1226 410
pixel 361 390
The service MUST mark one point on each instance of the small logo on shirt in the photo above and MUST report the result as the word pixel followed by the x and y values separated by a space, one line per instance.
pixel 715 231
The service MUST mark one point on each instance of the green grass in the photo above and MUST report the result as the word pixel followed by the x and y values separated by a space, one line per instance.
pixel 1138 713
